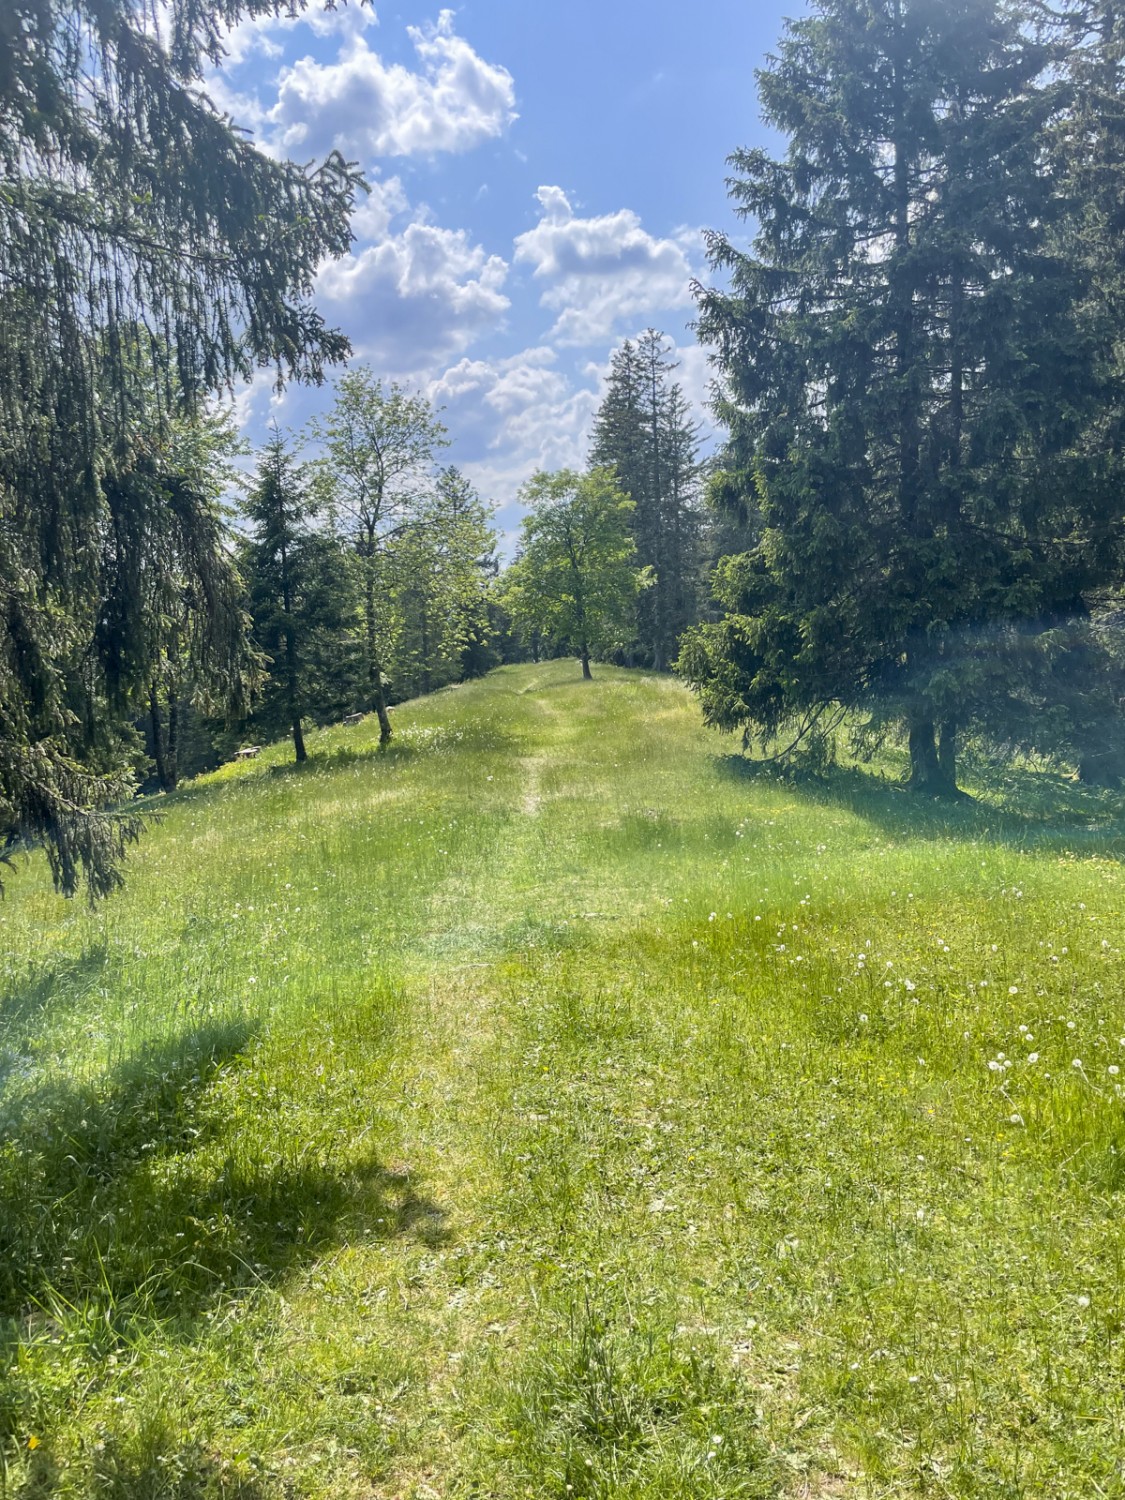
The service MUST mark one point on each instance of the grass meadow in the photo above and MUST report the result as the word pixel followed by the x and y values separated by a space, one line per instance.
pixel 557 1105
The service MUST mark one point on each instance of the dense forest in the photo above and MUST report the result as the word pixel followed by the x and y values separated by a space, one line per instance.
pixel 911 523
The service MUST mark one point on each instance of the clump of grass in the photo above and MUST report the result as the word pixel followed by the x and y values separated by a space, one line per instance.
pixel 608 1404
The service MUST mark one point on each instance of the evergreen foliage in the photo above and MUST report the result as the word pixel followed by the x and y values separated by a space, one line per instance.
pixel 645 433
pixel 148 255
pixel 575 581
pixel 910 374
pixel 299 593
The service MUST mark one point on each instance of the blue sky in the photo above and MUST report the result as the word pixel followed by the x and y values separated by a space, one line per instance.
pixel 540 176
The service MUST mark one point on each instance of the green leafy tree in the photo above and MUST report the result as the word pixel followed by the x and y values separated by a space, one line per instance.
pixel 908 372
pixel 298 586
pixel 575 580
pixel 377 476
pixel 149 255
pixel 443 565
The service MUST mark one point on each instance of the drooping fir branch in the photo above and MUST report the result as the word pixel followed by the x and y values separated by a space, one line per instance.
pixel 149 256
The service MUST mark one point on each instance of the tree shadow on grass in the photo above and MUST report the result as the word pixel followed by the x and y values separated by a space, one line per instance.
pixel 409 746
pixel 1014 806
pixel 26 999
pixel 131 1199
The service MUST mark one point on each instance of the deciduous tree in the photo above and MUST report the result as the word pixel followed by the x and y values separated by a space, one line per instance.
pixel 575 579
pixel 378 477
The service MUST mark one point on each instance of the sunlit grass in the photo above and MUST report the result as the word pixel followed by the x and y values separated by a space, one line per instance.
pixel 552 1107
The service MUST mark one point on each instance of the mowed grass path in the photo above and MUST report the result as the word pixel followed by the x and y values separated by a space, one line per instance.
pixel 550 1108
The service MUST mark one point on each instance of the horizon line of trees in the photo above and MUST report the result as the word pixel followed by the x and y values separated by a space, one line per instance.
pixel 364 575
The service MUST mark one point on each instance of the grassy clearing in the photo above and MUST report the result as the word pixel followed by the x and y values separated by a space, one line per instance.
pixel 549 1107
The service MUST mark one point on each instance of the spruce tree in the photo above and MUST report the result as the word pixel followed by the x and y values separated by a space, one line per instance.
pixel 907 373
pixel 149 255
pixel 298 587
pixel 644 431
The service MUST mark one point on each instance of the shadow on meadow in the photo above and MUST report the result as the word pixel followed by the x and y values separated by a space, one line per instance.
pixel 1010 805
pixel 26 999
pixel 148 1470
pixel 133 1198
pixel 409 745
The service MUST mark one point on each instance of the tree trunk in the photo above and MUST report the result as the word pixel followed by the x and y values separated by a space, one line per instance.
pixel 157 738
pixel 426 676
pixel 374 669
pixel 927 773
pixel 380 697
pixel 291 670
pixel 947 752
pixel 586 673
pixel 172 758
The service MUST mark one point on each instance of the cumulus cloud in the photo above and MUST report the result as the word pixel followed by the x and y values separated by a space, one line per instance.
pixel 375 209
pixel 413 299
pixel 261 34
pixel 601 272
pixel 510 417
pixel 369 108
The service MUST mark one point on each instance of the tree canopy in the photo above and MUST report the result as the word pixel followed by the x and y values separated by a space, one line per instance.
pixel 910 366
pixel 574 581
pixel 149 254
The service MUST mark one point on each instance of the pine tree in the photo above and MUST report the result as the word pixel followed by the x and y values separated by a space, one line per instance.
pixel 148 255
pixel 298 587
pixel 907 373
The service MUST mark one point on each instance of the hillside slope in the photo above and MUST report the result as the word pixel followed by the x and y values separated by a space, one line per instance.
pixel 549 1107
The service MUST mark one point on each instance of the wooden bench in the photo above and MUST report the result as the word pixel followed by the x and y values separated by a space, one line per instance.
pixel 354 718
pixel 248 752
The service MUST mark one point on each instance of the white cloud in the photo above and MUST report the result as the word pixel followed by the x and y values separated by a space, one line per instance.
pixel 374 210
pixel 262 35
pixel 510 417
pixel 412 300
pixel 370 108
pixel 604 271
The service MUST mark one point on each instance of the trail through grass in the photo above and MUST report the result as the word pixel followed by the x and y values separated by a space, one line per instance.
pixel 552 1106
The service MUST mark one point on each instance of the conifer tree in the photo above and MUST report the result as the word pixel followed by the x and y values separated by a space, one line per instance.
pixel 149 254
pixel 908 371
pixel 298 587
pixel 645 433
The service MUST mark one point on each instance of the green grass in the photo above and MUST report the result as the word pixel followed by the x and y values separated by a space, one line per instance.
pixel 556 1106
